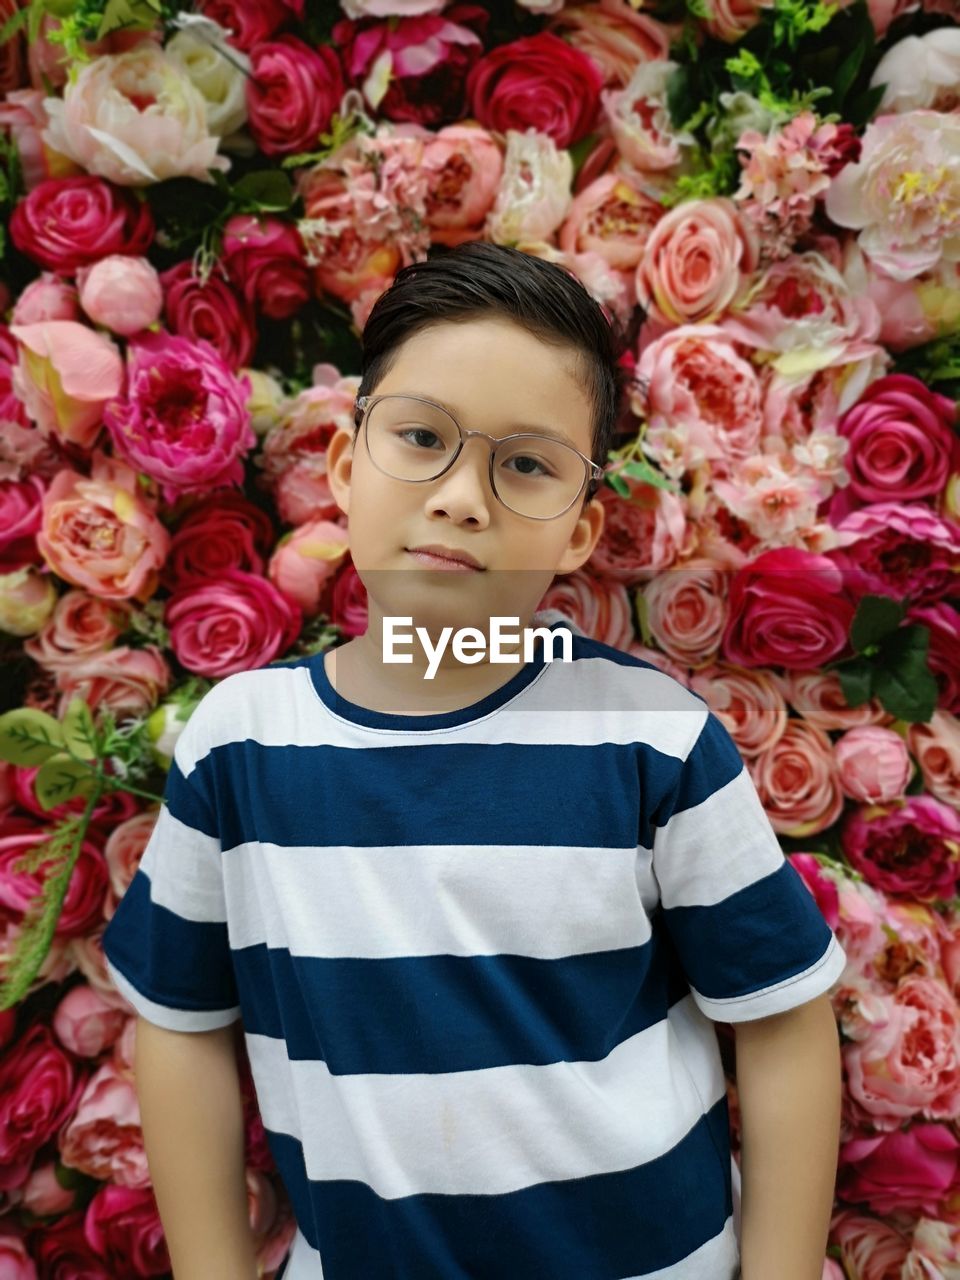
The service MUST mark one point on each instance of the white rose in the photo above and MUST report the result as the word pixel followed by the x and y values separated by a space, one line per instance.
pixel 220 80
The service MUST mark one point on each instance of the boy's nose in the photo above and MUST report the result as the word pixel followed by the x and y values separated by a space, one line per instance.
pixel 464 490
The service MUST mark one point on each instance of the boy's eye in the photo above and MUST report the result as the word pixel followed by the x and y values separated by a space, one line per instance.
pixel 526 470
pixel 420 431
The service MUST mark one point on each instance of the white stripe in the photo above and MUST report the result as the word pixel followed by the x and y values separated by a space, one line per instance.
pixel 421 900
pixel 497 1129
pixel 186 876
pixel 795 991
pixel 720 846
pixel 172 1019
pixel 580 703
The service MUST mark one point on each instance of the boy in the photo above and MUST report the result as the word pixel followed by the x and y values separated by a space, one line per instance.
pixel 478 926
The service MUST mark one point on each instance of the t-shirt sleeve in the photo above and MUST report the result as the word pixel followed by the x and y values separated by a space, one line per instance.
pixel 748 932
pixel 166 945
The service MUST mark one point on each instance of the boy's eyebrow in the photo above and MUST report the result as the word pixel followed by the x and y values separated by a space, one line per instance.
pixel 520 426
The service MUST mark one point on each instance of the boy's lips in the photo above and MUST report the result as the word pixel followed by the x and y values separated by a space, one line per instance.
pixel 433 551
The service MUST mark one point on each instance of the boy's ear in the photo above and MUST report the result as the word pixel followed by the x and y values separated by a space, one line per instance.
pixel 340 466
pixel 584 537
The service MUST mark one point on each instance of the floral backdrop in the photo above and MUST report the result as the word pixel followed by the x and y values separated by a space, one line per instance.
pixel 198 210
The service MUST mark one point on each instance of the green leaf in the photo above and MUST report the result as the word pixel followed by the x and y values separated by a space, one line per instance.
pixel 61 778
pixel 13 24
pixel 268 189
pixel 876 617
pixel 642 470
pixel 856 680
pixel 29 736
pixel 642 610
pixel 618 484
pixel 79 733
pixel 908 691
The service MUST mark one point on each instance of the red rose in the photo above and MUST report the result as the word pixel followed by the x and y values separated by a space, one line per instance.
pixel 292 93
pixel 212 312
pixel 123 1225
pixel 787 608
pixel 264 258
pixel 250 23
pixel 225 531
pixel 540 81
pixel 21 515
pixel 66 223
pixel 238 623
pixel 61 1249
pixel 430 58
pixel 40 1086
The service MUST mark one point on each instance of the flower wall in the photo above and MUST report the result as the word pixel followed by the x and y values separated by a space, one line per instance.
pixel 199 209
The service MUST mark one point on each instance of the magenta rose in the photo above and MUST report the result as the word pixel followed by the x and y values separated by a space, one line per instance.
pixel 349 601
pixel 908 1169
pixel 238 623
pixel 428 58
pixel 66 223
pixel 123 1225
pixel 184 419
pixel 292 93
pixel 210 311
pixel 901 551
pixel 224 531
pixel 903 442
pixel 911 846
pixel 943 656
pixel 538 81
pixel 40 1085
pixel 83 904
pixel 265 259
pixel 787 608
pixel 251 23
pixel 21 515
pixel 810 869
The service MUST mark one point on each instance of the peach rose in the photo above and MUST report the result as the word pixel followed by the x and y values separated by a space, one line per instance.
pixel 611 217
pixel 305 561
pixel 936 746
pixel 100 534
pixel 796 779
pixel 122 853
pixel 128 681
pixel 642 534
pixel 87 1021
pixel 873 764
pixel 65 375
pixel 614 35
pixel 103 1139
pixel 686 611
pixel 696 261
pixel 817 697
pixel 749 704
pixel 600 609
pixel 80 625
pixel 464 166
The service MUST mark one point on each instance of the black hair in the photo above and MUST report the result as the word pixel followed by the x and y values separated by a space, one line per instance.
pixel 479 278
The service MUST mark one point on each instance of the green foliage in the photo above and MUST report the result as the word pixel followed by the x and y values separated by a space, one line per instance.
pixel 935 362
pixel 890 662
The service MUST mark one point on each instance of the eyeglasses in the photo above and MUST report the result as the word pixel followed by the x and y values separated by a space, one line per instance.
pixel 411 438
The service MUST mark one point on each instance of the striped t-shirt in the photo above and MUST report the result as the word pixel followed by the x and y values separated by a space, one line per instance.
pixel 477 955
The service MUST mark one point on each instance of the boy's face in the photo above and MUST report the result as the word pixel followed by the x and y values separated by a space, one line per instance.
pixel 494 377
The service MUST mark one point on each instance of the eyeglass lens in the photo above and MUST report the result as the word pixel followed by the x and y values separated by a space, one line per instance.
pixel 412 440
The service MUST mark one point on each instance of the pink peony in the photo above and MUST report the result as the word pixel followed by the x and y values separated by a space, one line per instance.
pixel 463 167
pixel 909 846
pixel 639 120
pixel 871 1249
pixel 103 1138
pixel 913 311
pixel 611 217
pixel 642 534
pixel 899 550
pixel 873 764
pixel 121 293
pixel 238 623
pixel 124 680
pixel 184 419
pixel 796 779
pixel 65 376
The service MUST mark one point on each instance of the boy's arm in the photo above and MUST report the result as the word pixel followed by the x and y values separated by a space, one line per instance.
pixel 192 1116
pixel 789 1077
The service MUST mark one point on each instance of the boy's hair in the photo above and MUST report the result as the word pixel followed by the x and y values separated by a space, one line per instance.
pixel 477 278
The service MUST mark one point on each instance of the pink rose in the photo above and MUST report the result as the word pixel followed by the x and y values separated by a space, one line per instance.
pixel 695 261
pixel 264 258
pixel 787 608
pixel 237 623
pixel 223 531
pixel 912 943
pixel 796 779
pixel 871 1249
pixel 613 35
pixel 611 217
pixel 463 167
pixel 20 517
pixel 46 298
pixel 749 704
pixel 293 458
pixel 123 1225
pixel 250 24
pixel 860 931
pixel 65 376
pixel 686 611
pixel 66 223
pixel 19 888
pixel 39 1089
pixel 15 1262
pixel 642 534
pixel 909 846
pixel 99 534
pixel 911 1065
pixel 103 1138
pixel 87 1022
pixel 903 443
pixel 306 560
pixel 80 625
pixel 539 81
pixel 122 852
pixel 349 601
pixel 123 294
pixel 822 886
pixel 413 67
pixel 23 114
pixel 292 93
pixel 936 747
pixel 873 764
pixel 817 696
pixel 599 607
pixel 211 311
pixel 44 1196
pixel 184 419
pixel 127 681
pixel 943 658
pixel 899 550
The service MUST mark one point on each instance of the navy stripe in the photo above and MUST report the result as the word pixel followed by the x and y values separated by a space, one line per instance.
pixel 592 1228
pixel 189 799
pixel 460 793
pixel 712 763
pixel 283 1266
pixel 777 936
pixel 426 1014
pixel 148 943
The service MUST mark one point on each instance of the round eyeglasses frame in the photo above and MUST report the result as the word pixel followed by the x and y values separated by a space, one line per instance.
pixel 592 472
